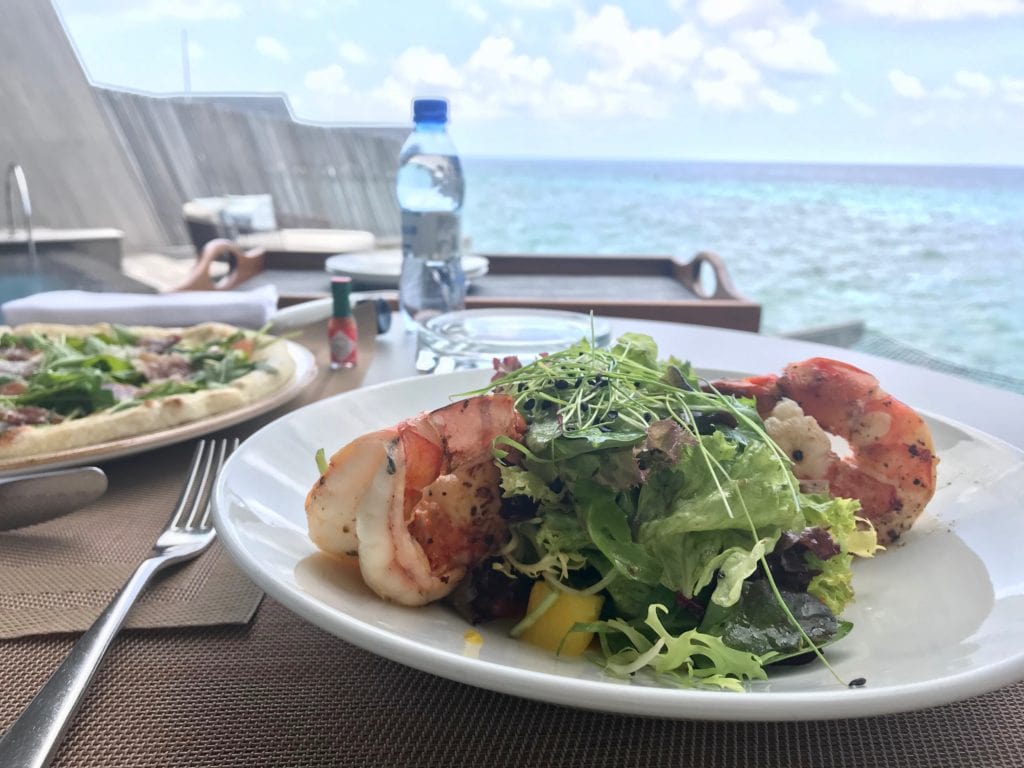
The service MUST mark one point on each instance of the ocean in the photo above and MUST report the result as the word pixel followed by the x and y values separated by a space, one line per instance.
pixel 933 257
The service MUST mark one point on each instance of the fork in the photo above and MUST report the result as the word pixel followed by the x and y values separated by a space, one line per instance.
pixel 33 739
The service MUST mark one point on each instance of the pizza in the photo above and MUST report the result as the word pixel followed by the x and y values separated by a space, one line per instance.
pixel 64 387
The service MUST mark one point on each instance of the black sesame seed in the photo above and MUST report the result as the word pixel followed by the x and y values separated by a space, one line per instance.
pixel 530 402
pixel 561 384
pixel 858 682
pixel 584 407
pixel 798 455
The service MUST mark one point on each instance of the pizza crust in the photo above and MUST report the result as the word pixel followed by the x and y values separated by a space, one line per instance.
pixel 26 442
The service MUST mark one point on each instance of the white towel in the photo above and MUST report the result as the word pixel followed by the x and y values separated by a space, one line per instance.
pixel 247 309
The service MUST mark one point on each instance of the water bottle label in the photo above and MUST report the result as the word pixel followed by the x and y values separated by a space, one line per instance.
pixel 432 235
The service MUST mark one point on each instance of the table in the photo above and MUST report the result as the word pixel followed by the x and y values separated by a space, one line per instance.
pixel 280 692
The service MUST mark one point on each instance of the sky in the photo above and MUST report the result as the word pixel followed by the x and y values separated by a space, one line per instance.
pixel 849 81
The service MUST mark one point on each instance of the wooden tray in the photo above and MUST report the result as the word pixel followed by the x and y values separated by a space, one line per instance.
pixel 699 291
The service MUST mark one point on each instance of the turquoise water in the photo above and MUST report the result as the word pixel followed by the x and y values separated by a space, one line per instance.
pixel 933 257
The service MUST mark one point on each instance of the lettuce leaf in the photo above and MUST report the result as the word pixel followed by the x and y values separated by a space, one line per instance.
pixel 854 535
pixel 607 524
pixel 517 481
pixel 692 658
pixel 638 348
pixel 834 585
pixel 697 527
pixel 756 623
pixel 839 517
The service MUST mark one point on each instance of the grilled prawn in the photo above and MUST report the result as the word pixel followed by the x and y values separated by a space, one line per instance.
pixel 892 466
pixel 418 502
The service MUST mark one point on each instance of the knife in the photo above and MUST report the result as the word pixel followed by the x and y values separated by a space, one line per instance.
pixel 36 498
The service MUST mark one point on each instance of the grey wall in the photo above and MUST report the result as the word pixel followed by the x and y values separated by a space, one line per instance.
pixel 96 157
pixel 53 125
pixel 319 176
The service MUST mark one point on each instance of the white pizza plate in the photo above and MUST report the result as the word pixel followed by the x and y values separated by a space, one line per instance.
pixel 381 269
pixel 937 618
pixel 305 372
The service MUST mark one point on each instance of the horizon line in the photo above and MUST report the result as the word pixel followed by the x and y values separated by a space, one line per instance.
pixel 734 161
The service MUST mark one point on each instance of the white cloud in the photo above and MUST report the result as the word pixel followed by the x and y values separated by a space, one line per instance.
pixel 195 51
pixel 642 72
pixel 776 102
pixel 188 10
pixel 731 65
pixel 272 48
pixel 420 66
pixel 496 56
pixel 632 54
pixel 1013 90
pixel 721 94
pixel 532 5
pixel 729 80
pixel 975 82
pixel 471 8
pixel 308 9
pixel 573 99
pixel 721 12
pixel 862 108
pixel 788 47
pixel 938 10
pixel 329 81
pixel 906 85
pixel 417 71
pixel 353 53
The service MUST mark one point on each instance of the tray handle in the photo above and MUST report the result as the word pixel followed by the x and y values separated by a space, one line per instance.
pixel 690 274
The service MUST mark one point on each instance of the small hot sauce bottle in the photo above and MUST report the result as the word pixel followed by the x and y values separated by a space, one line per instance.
pixel 342 335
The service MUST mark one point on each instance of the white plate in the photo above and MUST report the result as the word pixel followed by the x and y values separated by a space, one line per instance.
pixel 938 618
pixel 381 269
pixel 305 372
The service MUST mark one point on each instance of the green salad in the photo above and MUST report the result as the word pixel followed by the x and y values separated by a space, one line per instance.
pixel 639 486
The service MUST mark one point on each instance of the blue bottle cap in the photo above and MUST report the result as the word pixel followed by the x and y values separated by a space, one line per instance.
pixel 430 111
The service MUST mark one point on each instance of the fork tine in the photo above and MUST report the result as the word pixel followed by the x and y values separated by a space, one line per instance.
pixel 201 500
pixel 226 448
pixel 182 510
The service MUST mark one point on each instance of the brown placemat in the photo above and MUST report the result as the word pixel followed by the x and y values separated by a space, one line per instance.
pixel 281 692
pixel 59 575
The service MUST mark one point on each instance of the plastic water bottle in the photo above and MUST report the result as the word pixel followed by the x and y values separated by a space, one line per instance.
pixel 430 190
